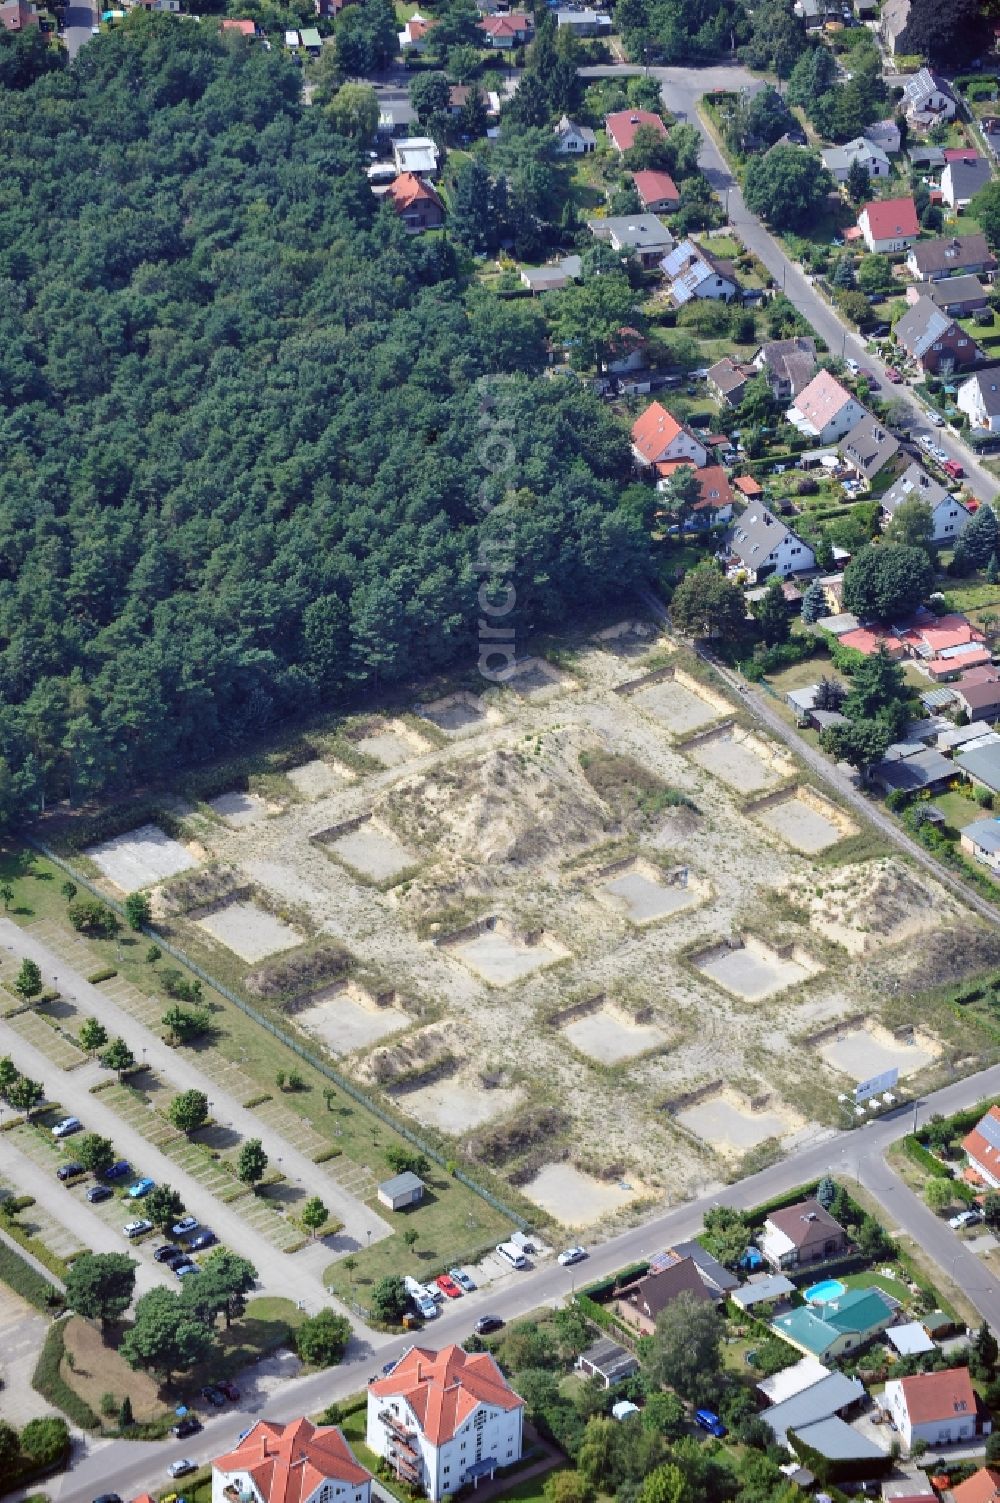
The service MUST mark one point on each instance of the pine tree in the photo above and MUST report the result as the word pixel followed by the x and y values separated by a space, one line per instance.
pixel 981 538
pixel 843 274
pixel 993 569
pixel 125 1417
pixel 813 603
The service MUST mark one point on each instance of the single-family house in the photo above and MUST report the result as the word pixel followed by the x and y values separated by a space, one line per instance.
pixel 835 1393
pixel 626 352
pixel 801 1234
pixel 982 1487
pixel 502 33
pixel 244 27
pixel 982 1144
pixel 585 23
pixel 552 278
pixel 939 1409
pixel 397 118
pixel 825 409
pixel 889 224
pixel 658 193
pixel 961 180
pixel 838 160
pixel 948 516
pixel 893 22
pixel 792 1380
pixel 884 133
pixel 458 97
pixel 445 1419
pixel 416 203
pixel 981 764
pixel 640 1302
pixel 406 1189
pixel 924 157
pixel 714 505
pixel 608 1362
pixel 416 154
pixel 927 99
pixel 935 341
pixel 18 15
pixel 979 399
pixel 950 256
pixel 978 693
pixel 295 1463
pixel 981 841
pixel 868 448
pixel 959 297
pixel 990 128
pixel 717 1279
pixel 657 438
pixel 574 140
pixel 413 37
pixel 623 124
pixel 727 380
pixel 789 365
pixel 841 1325
pixel 694 272
pixel 641 235
pixel 762 545
pixel 920 771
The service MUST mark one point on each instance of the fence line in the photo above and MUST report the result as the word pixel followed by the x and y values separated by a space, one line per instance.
pixel 317 1064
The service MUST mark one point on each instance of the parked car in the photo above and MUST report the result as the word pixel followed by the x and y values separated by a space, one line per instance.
pixel 213 1395
pixel 229 1389
pixel 167 1253
pixel 118 1170
pixel 572 1255
pixel 66 1127
pixel 182 1467
pixel 926 442
pixel 953 468
pixel 185 1225
pixel 447 1285
pixel 141 1187
pixel 97 1193
pixel 137 1227
pixel 965 1218
pixel 487 1323
pixel 462 1279
pixel 939 454
pixel 853 366
pixel 708 1420
pixel 184 1269
pixel 936 419
pixel 202 1239
pixel 189 1425
pixel 106 1497
pixel 69 1171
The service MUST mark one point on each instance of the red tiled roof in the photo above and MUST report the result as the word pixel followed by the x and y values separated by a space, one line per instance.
pixel 500 26
pixel 408 189
pixel 869 641
pixel 889 217
pixel 822 399
pixel 444 1388
pixel 653 186
pixel 622 126
pixel 748 486
pixel 938 1396
pixel 962 154
pixel 288 1462
pixel 712 478
pixel 980 1148
pixel 982 1487
pixel 654 430
pixel 248 28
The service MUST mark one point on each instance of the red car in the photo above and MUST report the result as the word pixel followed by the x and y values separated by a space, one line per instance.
pixel 448 1286
pixel 892 374
pixel 953 468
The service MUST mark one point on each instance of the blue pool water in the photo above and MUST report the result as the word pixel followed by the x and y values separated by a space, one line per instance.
pixel 823 1293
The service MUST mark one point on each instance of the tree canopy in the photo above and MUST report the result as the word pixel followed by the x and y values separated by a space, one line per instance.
pixel 887 580
pixel 241 413
pixel 786 186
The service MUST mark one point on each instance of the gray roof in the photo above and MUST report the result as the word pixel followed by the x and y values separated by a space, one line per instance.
pixel 951 292
pixel 710 1268
pixel 634 231
pixel 914 485
pixel 928 156
pixel 985 833
pixel 758 1291
pixel 982 762
pixel 843 621
pixel 566 126
pixel 401 1184
pixel 755 535
pixel 792 360
pixel 957 735
pixel 824 719
pixel 727 375
pixel 803 699
pixel 838 1441
pixel 818 1402
pixel 869 446
pixel 920 326
pixel 989 389
pixel 968 177
pixel 839 158
pixel 569 268
pixel 610 1359
pixel 919 771
pixel 922 86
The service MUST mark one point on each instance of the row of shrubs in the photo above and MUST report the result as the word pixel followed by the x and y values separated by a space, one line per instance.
pixel 26 1281
pixel 50 1383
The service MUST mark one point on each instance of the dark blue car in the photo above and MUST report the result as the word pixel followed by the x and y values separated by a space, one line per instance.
pixel 119 1170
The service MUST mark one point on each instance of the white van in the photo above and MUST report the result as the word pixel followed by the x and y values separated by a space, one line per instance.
pixel 421 1297
pixel 512 1254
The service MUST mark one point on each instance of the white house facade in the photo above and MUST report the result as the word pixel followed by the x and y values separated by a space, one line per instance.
pixel 937 1408
pixel 979 399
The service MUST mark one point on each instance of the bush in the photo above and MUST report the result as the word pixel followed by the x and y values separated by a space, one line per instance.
pixel 322 1339
pixel 90 917
pixel 107 974
pixel 926 1160
pixel 27 1281
pixel 49 1381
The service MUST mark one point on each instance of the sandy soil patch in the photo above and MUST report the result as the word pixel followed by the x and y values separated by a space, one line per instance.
pixel 872 904
pixel 373 851
pixel 533 677
pixel 249 930
pixel 676 706
pixel 345 1017
pixel 575 1198
pixel 140 858
pixel 392 743
pixel 501 956
pixel 627 637
pixel 609 1036
pixel 239 809
pixel 743 761
pixel 646 894
pixel 730 1126
pixel 456 713
pixel 754 970
pixel 805 822
pixel 317 778
pixel 456 1106
pixel 868 1051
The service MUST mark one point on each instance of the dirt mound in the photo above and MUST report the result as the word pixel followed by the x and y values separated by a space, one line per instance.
pixel 879 903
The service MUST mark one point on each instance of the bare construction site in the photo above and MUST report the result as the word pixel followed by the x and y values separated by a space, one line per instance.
pixel 591 928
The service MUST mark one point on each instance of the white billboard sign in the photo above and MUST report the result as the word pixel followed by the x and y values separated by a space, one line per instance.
pixel 866 1089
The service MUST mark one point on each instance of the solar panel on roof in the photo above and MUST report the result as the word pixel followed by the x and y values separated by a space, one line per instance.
pixel 990 1129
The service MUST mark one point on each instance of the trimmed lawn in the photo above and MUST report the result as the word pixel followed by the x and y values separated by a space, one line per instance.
pixel 958 810
pixel 894 1286
pixel 800 675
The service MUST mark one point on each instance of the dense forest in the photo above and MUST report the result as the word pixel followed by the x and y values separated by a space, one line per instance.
pixel 244 466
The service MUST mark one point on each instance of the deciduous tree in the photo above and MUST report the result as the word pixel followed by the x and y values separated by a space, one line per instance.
pixel 165 1336
pixel 685 1350
pixel 251 1163
pixel 188 1111
pixel 705 604
pixel 322 1339
pixel 100 1286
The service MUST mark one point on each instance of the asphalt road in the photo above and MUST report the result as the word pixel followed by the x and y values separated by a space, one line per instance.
pixel 78 26
pixel 131 1467
pixel 682 88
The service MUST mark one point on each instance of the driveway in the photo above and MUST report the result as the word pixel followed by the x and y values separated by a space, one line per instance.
pixel 682 88
pixel 78 27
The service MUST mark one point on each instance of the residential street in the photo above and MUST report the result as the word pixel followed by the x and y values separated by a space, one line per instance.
pixel 131 1467
pixel 78 26
pixel 682 88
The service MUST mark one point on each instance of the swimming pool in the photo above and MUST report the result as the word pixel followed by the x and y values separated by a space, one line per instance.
pixel 823 1293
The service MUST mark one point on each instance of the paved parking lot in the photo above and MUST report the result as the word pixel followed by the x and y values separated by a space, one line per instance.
pixel 22 1331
